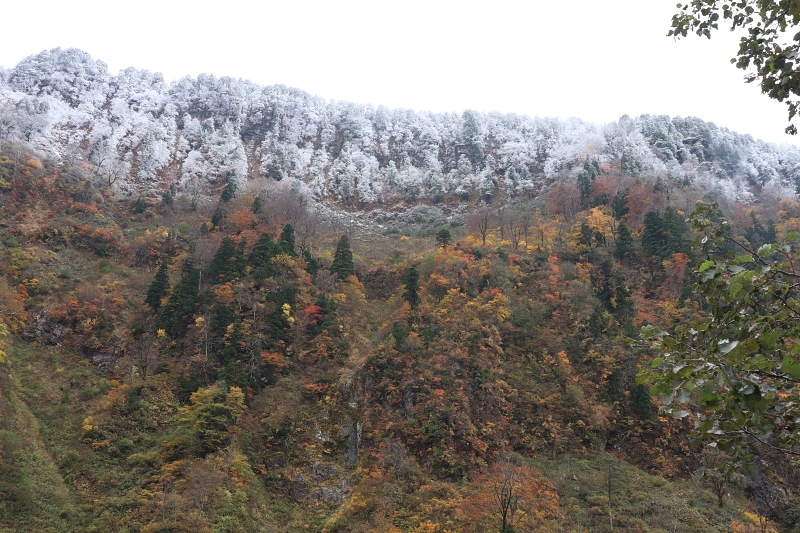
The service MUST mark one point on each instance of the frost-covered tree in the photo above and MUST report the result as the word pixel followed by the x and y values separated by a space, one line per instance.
pixel 202 133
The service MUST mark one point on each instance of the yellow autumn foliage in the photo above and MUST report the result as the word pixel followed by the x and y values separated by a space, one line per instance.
pixel 600 222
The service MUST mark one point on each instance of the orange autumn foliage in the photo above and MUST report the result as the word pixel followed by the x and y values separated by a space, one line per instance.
pixel 242 219
pixel 508 495
pixel 275 361
pixel 675 268
pixel 224 293
pixel 641 199
pixel 12 310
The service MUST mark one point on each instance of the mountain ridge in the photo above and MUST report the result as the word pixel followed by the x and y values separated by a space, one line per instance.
pixel 196 135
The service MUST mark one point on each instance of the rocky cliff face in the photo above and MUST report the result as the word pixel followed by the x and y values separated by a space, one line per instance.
pixel 198 135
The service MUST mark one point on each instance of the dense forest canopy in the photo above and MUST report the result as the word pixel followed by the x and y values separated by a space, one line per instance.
pixel 197 134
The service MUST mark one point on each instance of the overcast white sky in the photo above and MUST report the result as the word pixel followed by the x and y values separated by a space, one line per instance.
pixel 595 60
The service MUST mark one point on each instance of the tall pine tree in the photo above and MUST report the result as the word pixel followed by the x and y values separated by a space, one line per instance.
pixel 664 236
pixel 411 290
pixel 603 287
pixel 222 267
pixel 229 191
pixel 312 265
pixel 159 287
pixel 238 263
pixel 653 235
pixel 676 238
pixel 286 240
pixel 624 240
pixel 264 250
pixel 342 264
pixel 619 205
pixel 261 254
pixel 443 237
pixel 585 188
pixel 591 169
pixel 757 234
pixel 181 302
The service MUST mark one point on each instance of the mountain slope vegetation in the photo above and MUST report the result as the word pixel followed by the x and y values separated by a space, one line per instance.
pixel 196 368
pixel 210 342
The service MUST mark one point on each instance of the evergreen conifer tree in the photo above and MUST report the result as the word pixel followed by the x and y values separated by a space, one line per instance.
pixel 411 291
pixel 591 169
pixel 264 250
pixel 597 322
pixel 770 234
pixel 286 240
pixel 603 287
pixel 139 206
pixel 619 205
pixel 443 237
pixel 256 208
pixel 585 188
pixel 222 264
pixel 599 238
pixel 664 236
pixel 217 217
pixel 159 287
pixel 640 401
pixel 757 234
pixel 238 263
pixel 653 238
pixel 755 231
pixel 312 265
pixel 182 300
pixel 222 316
pixel 586 235
pixel 676 234
pixel 624 240
pixel 342 264
pixel 229 192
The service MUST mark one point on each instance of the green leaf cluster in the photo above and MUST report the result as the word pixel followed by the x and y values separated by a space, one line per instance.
pixel 736 371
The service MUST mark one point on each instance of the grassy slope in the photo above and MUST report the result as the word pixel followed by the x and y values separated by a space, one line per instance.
pixel 33 494
pixel 639 501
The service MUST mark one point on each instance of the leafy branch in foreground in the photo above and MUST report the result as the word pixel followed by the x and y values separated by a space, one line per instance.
pixel 736 372
pixel 771 46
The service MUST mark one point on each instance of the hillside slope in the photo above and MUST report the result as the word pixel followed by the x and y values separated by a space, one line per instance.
pixel 243 308
pixel 211 368
pixel 197 136
pixel 33 495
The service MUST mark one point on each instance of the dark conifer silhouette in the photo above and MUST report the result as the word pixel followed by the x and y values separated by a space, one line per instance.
pixel 342 264
pixel 411 291
pixel 159 287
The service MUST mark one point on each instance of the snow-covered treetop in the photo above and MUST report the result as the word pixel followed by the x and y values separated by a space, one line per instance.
pixel 198 133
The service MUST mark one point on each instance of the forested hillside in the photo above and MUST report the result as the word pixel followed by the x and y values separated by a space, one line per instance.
pixel 201 331
pixel 198 136
pixel 171 366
